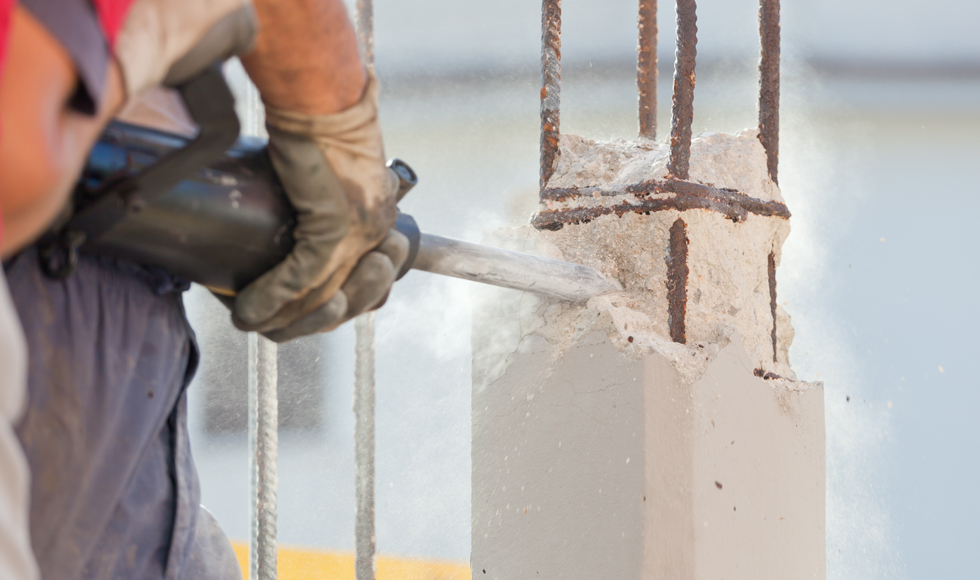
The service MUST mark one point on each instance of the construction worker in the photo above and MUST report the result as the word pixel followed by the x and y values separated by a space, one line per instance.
pixel 114 492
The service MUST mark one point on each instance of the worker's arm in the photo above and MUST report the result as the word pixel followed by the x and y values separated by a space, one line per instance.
pixel 325 143
pixel 305 56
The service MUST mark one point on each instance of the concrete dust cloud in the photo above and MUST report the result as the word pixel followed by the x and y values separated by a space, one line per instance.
pixel 820 187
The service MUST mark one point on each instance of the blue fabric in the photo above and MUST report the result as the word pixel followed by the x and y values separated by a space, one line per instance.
pixel 114 490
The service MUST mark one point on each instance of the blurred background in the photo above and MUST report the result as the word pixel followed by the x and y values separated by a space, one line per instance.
pixel 879 149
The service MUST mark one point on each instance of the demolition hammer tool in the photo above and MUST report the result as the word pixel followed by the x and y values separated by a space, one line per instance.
pixel 211 210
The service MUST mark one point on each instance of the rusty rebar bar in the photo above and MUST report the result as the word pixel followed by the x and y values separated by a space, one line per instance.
pixel 654 196
pixel 550 87
pixel 677 272
pixel 682 112
pixel 646 68
pixel 769 33
pixel 772 304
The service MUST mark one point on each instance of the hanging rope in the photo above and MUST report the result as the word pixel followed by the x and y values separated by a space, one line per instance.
pixel 263 447
pixel 364 538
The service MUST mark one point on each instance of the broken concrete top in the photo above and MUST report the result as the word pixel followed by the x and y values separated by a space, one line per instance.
pixel 690 276
pixel 658 431
pixel 718 160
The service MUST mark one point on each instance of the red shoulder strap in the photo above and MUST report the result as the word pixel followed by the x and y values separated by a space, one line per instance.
pixel 6 8
pixel 112 15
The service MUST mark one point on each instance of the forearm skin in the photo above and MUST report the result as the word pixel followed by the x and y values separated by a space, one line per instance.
pixel 305 56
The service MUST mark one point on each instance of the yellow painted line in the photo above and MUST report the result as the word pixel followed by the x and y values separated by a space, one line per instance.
pixel 311 564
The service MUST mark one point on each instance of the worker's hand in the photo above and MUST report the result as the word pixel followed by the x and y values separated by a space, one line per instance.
pixel 346 256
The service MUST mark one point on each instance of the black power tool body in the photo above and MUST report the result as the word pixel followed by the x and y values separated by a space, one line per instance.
pixel 208 209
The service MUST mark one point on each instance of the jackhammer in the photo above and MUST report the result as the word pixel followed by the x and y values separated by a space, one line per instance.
pixel 211 210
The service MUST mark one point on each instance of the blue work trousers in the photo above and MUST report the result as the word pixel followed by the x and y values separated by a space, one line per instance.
pixel 114 490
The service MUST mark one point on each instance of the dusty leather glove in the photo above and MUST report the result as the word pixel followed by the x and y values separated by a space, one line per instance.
pixel 346 256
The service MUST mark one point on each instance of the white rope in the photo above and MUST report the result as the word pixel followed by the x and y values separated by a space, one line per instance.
pixel 254 122
pixel 364 538
pixel 263 447
pixel 365 32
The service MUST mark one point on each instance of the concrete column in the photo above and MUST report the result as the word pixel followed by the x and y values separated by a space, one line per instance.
pixel 594 458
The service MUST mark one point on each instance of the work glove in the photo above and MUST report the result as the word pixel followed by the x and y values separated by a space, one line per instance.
pixel 346 256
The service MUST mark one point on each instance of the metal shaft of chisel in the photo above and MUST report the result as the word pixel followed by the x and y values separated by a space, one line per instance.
pixel 488 265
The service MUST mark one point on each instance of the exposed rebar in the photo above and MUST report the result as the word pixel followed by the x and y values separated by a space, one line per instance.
pixel 550 87
pixel 677 272
pixel 769 33
pixel 772 304
pixel 682 112
pixel 364 538
pixel 646 68
pixel 647 197
pixel 365 32
pixel 263 445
